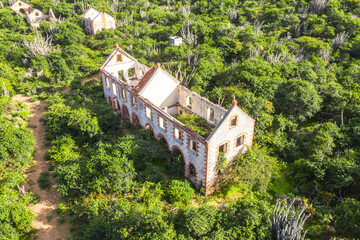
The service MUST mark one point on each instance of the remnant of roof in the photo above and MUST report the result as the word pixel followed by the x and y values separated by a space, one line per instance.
pixel 145 78
pixel 91 14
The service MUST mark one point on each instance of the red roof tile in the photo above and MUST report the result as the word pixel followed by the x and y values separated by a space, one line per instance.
pixel 145 78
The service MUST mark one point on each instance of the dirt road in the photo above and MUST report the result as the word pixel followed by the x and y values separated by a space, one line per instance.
pixel 47 221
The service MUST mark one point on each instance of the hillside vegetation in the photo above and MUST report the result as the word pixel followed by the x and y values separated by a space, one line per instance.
pixel 294 66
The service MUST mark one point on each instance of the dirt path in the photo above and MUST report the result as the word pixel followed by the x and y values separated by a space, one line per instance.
pixel 95 76
pixel 49 199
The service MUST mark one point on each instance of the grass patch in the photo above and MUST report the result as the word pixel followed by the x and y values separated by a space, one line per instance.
pixel 43 180
pixel 61 212
pixel 196 124
pixel 281 186
pixel 49 217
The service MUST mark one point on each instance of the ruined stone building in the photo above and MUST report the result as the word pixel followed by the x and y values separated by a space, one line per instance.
pixel 33 16
pixel 153 98
pixel 96 21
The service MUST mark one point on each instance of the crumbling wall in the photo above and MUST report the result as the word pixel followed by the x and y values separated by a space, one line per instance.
pixel 225 133
pixel 196 158
pixel 201 106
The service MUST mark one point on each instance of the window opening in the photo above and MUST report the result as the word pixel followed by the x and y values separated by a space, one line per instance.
pixel 188 102
pixel 223 148
pixel 148 112
pixel 123 93
pixel 210 114
pixel 161 123
pixel 233 121
pixel 192 171
pixel 114 89
pixel 133 101
pixel 119 58
pixel 121 74
pixel 240 141
pixel 131 72
pixel 177 134
pixel 192 145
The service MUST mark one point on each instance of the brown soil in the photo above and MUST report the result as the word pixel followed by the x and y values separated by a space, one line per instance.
pixel 95 76
pixel 49 199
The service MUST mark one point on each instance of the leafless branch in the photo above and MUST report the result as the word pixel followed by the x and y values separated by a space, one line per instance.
pixel 185 10
pixel 187 34
pixel 39 47
pixel 339 39
pixel 318 6
pixel 257 27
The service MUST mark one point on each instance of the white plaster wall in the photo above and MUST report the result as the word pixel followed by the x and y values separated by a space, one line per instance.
pixel 200 105
pixel 115 67
pixel 159 88
pixel 224 133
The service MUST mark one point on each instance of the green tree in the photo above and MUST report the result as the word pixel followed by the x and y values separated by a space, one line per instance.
pixel 348 218
pixel 180 191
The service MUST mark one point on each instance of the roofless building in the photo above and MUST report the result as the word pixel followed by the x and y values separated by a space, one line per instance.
pixel 153 98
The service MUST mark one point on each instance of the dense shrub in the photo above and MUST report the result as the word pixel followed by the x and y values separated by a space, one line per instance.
pixel 180 191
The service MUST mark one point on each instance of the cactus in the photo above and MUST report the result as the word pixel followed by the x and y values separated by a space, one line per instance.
pixel 284 227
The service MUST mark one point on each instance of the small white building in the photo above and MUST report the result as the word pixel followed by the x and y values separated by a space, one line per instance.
pixel 33 16
pixel 95 21
pixel 175 40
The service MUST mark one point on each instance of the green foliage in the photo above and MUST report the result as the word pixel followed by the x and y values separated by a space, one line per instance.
pixel 221 164
pixel 200 221
pixel 78 122
pixel 43 180
pixel 180 191
pixel 348 217
pixel 61 212
pixel 69 33
pixel 196 124
pixel 16 153
pixel 289 68
pixel 257 168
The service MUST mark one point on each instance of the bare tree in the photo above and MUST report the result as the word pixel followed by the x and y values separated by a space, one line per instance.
pixel 55 2
pixel 254 52
pixel 257 27
pixel 39 47
pixel 126 21
pixel 325 54
pixel 278 42
pixel 187 34
pixel 304 11
pixel 147 4
pixel 143 15
pixel 22 191
pixel 114 5
pixel 84 5
pixel 233 13
pixel 318 6
pixel 192 59
pixel 185 10
pixel 297 30
pixel 11 2
pixel 305 26
pixel 4 90
pixel 339 39
pixel 182 75
pixel 153 50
